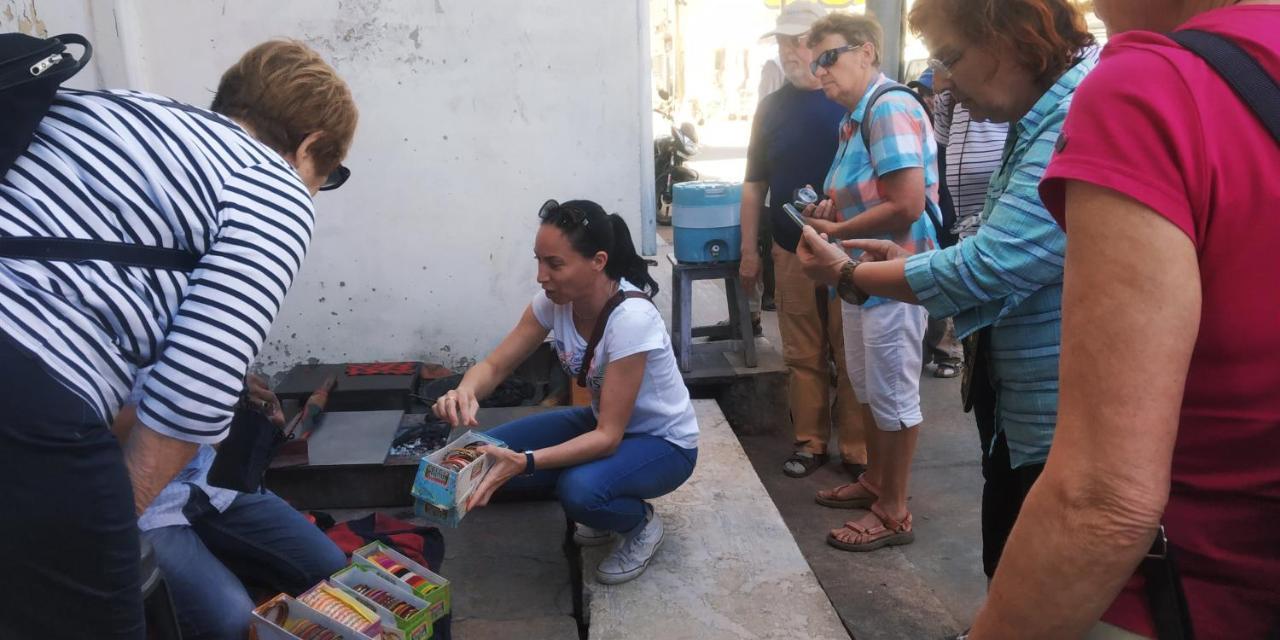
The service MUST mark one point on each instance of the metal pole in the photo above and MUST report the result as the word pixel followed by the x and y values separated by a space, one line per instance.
pixel 890 14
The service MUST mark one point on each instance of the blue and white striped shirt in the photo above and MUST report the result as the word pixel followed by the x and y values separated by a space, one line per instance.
pixel 134 168
pixel 1009 277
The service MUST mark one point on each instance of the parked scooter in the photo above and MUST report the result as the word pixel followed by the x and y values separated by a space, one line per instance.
pixel 669 155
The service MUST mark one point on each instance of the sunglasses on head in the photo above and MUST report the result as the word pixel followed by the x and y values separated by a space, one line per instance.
pixel 562 216
pixel 828 58
pixel 336 178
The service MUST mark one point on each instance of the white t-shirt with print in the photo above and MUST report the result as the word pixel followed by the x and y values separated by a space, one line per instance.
pixel 662 406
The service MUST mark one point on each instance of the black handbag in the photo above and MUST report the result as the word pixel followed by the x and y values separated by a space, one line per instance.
pixel 31 69
pixel 243 457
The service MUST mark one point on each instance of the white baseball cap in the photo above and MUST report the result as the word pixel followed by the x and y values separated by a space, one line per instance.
pixel 797 18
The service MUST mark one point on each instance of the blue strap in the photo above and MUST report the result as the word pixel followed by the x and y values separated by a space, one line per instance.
pixel 1247 78
pixel 77 250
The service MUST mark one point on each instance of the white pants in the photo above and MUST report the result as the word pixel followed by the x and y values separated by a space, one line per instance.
pixel 884 349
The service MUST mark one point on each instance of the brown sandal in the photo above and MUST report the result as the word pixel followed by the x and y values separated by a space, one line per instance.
pixel 886 533
pixel 831 498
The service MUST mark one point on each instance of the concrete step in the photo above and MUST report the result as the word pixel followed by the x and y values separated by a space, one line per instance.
pixel 728 569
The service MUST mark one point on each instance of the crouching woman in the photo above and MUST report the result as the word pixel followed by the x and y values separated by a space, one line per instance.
pixel 638 439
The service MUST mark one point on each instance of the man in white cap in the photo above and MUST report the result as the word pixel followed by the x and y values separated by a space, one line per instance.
pixel 793 140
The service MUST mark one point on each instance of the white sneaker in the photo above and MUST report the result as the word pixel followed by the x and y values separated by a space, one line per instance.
pixel 632 555
pixel 587 537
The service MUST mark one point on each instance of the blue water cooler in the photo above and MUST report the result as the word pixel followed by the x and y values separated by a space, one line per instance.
pixel 704 217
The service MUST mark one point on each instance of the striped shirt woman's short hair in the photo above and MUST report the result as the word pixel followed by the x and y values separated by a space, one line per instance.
pixel 284 91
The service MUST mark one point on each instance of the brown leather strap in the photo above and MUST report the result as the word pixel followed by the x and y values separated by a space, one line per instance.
pixel 598 332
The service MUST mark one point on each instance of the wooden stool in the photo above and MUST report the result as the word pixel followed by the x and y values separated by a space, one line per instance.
pixel 682 331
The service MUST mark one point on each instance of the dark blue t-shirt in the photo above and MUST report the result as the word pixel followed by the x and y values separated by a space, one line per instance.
pixel 793 140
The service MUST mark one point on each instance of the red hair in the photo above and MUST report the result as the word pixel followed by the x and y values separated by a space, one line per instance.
pixel 1045 35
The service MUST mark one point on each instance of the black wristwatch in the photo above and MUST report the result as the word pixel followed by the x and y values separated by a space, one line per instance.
pixel 528 463
pixel 845 287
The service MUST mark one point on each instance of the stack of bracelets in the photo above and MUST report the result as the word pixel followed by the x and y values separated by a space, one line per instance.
pixel 419 584
pixel 327 600
pixel 459 458
pixel 278 613
pixel 308 630
pixel 400 608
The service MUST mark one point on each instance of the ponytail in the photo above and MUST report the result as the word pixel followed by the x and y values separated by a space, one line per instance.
pixel 624 262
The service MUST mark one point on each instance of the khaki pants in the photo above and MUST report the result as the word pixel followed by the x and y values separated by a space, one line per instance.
pixel 812 343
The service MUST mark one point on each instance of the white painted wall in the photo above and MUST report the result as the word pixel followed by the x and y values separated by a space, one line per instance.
pixel 473 112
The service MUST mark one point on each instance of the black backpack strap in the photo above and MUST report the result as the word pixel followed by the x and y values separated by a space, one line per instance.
pixel 118 253
pixel 1247 78
pixel 1168 603
pixel 940 232
pixel 598 332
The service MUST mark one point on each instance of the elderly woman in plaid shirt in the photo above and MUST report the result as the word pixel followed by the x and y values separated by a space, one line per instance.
pixel 885 187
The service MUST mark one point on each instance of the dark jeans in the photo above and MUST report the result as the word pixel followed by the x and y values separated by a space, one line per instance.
pixel 68 532
pixel 608 493
pixel 259 537
pixel 1005 487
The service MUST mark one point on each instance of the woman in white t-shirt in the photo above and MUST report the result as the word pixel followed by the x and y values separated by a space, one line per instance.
pixel 638 439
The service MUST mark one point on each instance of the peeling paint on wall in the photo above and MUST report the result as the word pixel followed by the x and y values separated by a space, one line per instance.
pixel 21 16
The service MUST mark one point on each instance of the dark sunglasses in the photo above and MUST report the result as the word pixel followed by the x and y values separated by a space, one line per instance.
pixel 562 216
pixel 828 58
pixel 337 178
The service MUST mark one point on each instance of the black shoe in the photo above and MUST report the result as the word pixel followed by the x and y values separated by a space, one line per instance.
pixel 767 304
pixel 801 464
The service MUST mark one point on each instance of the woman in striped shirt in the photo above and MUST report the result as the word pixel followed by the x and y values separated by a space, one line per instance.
pixel 232 189
pixel 1003 286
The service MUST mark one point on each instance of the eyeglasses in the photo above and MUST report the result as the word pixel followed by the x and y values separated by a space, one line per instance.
pixel 563 216
pixel 944 67
pixel 337 178
pixel 828 58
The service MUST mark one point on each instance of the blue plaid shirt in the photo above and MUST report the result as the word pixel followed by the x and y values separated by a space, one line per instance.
pixel 901 137
pixel 1009 277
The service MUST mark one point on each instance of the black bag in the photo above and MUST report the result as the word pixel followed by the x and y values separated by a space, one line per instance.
pixel 941 233
pixel 243 457
pixel 31 69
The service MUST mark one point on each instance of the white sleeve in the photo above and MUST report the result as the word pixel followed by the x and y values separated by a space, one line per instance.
pixel 636 327
pixel 544 310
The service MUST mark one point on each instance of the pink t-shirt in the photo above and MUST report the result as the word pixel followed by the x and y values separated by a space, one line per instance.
pixel 1155 123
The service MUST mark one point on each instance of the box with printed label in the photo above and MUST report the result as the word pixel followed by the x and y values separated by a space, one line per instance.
pixel 393 565
pixel 446 477
pixel 404 615
pixel 284 618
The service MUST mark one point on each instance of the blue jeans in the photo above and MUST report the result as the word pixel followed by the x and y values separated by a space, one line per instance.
pixel 608 493
pixel 259 537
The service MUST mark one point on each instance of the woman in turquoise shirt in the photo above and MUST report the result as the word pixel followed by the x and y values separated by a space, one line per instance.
pixel 1004 285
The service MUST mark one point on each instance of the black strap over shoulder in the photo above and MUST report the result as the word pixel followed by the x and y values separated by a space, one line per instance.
pixel 1247 78
pixel 865 131
pixel 598 332
pixel 76 250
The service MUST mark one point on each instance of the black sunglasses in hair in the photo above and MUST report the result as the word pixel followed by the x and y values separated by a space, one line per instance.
pixel 565 217
pixel 336 178
pixel 828 58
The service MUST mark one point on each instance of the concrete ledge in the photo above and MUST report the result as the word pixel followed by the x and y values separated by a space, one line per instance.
pixel 728 569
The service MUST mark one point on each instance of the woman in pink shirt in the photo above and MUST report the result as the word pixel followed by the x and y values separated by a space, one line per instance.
pixel 1169 189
